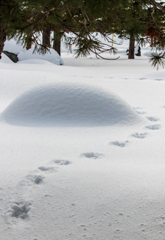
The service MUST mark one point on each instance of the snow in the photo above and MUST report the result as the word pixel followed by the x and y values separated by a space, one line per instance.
pixel 97 173
pixel 51 56
pixel 69 105
pixel 35 61
pixel 5 59
pixel 157 76
pixel 11 46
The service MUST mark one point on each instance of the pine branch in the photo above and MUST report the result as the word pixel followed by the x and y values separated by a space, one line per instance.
pixel 157 60
pixel 157 5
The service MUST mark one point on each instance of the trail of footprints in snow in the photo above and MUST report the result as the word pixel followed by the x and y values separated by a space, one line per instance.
pixel 154 126
pixel 122 144
pixel 20 209
pixel 154 79
pixel 38 179
pixel 151 119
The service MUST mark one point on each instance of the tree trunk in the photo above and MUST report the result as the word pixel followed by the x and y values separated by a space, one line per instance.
pixel 28 46
pixel 57 42
pixel 46 37
pixel 2 39
pixel 29 41
pixel 131 48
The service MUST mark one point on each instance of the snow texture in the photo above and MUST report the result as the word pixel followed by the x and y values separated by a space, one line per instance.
pixel 20 209
pixel 69 105
pixel 92 155
pixel 51 56
pixel 35 61
pixel 5 59
pixel 82 183
pixel 120 144
pixel 62 162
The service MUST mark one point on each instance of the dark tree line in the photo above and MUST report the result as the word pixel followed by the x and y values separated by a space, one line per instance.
pixel 137 20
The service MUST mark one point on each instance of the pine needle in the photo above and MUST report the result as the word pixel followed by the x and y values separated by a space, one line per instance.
pixel 157 60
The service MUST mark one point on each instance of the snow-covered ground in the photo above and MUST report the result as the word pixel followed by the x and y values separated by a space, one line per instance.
pixel 82 149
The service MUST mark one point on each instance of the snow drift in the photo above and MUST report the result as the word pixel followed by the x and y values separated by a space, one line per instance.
pixel 51 56
pixel 69 105
pixel 35 61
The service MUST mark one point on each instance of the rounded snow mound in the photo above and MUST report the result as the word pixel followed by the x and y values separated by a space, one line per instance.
pixel 69 105
pixel 51 56
pixel 35 61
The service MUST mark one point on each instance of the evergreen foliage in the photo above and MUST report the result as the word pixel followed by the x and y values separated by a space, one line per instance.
pixel 140 20
pixel 157 59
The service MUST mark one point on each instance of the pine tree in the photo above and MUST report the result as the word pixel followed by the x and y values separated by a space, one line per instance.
pixel 140 20
pixel 7 10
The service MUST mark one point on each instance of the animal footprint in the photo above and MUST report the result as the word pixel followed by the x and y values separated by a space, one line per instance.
pixel 140 111
pixel 159 79
pixel 62 162
pixel 153 119
pixel 154 127
pixel 20 209
pixel 36 179
pixel 92 155
pixel 120 144
pixel 139 135
pixel 47 169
